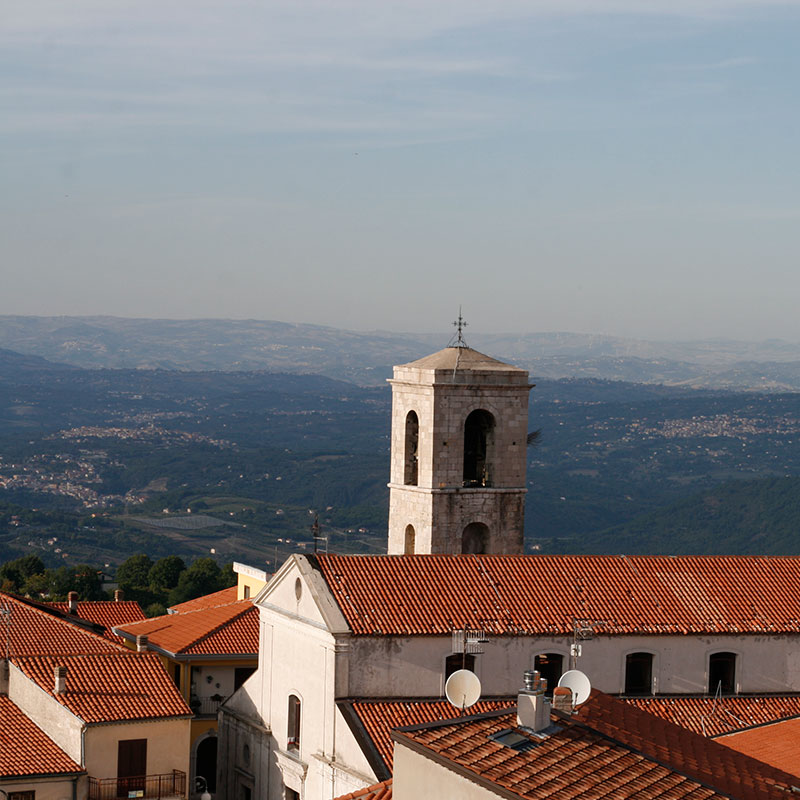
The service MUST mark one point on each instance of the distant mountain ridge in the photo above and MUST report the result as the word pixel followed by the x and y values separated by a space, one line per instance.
pixel 367 357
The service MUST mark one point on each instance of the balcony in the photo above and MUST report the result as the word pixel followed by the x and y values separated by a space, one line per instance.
pixel 169 785
pixel 206 706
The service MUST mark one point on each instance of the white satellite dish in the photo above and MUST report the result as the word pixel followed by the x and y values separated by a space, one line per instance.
pixel 580 685
pixel 463 689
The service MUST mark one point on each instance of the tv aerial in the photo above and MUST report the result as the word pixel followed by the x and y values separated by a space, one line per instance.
pixel 463 689
pixel 578 683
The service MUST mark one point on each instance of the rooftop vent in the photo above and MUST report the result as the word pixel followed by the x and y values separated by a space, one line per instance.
pixel 60 676
pixel 533 708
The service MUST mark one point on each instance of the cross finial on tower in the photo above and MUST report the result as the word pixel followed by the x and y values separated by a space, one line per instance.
pixel 460 324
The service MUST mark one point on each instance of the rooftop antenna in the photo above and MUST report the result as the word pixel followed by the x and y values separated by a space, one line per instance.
pixel 459 325
pixel 463 689
pixel 317 537
pixel 468 641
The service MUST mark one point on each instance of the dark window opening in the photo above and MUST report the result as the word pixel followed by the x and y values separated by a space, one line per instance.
pixel 246 592
pixel 475 539
pixel 176 675
pixel 246 793
pixel 639 673
pixel 291 794
pixel 240 675
pixel 206 764
pixel 411 473
pixel 478 443
pixel 551 668
pixel 458 661
pixel 722 673
pixel 293 727
pixel 410 540
pixel 22 796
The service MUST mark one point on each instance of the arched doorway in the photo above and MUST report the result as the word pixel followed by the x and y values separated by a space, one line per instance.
pixel 205 764
pixel 475 539
pixel 478 446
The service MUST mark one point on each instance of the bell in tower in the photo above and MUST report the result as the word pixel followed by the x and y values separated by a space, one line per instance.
pixel 459 428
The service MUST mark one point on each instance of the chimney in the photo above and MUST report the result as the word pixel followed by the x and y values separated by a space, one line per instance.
pixel 3 676
pixel 533 708
pixel 562 699
pixel 141 643
pixel 60 675
pixel 72 599
pixel 119 595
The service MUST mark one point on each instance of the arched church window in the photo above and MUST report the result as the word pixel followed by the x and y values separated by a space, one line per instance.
pixel 475 539
pixel 293 726
pixel 478 445
pixel 410 450
pixel 410 540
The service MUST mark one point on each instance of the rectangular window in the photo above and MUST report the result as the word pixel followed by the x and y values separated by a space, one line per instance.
pixel 176 675
pixel 22 796
pixel 293 727
pixel 246 592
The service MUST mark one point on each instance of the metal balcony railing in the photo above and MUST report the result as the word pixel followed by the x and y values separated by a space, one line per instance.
pixel 169 785
pixel 207 706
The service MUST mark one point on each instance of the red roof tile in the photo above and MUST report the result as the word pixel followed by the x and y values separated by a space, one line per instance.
pixel 777 744
pixel 541 595
pixel 220 598
pixel 380 717
pixel 111 687
pixel 711 716
pixel 608 749
pixel 378 791
pixel 26 750
pixel 35 632
pixel 230 629
pixel 107 613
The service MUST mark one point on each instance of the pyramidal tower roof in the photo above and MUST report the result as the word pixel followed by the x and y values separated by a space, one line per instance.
pixel 461 358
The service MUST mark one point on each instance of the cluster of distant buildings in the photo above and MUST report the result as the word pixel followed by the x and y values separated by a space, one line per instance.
pixel 326 680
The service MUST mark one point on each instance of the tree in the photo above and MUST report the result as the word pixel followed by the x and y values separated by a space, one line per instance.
pixel 13 574
pixel 203 577
pixel 166 572
pixel 134 572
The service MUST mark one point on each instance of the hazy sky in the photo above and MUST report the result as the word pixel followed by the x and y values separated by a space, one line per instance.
pixel 627 167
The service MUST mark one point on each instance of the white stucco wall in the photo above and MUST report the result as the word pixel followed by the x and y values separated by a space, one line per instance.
pixel 416 776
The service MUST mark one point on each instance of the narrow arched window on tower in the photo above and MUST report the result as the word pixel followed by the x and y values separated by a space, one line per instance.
pixel 478 445
pixel 475 539
pixel 412 441
pixel 411 540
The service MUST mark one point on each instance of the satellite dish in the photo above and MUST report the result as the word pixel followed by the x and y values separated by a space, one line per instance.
pixel 580 685
pixel 463 689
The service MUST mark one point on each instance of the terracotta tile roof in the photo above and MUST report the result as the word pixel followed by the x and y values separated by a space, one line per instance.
pixel 608 749
pixel 230 629
pixel 37 632
pixel 107 613
pixel 378 791
pixel 220 598
pixel 541 595
pixel 111 687
pixel 26 750
pixel 713 717
pixel 378 718
pixel 777 744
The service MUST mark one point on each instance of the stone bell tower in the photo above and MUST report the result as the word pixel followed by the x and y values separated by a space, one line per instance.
pixel 459 435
